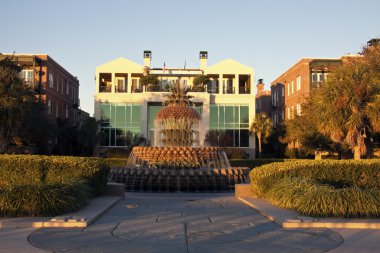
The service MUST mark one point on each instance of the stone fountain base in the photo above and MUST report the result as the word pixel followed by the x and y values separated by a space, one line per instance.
pixel 148 179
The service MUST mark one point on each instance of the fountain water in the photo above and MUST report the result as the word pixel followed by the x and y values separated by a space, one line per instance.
pixel 176 165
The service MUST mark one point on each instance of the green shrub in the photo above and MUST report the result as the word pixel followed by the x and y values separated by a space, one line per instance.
pixel 312 198
pixel 115 162
pixel 321 188
pixel 29 169
pixel 44 200
pixel 253 163
pixel 59 184
pixel 365 173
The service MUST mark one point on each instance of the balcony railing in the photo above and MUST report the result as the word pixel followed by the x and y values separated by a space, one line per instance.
pixel 229 90
pixel 243 90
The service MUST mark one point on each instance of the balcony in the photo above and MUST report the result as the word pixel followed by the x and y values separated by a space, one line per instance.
pixel 228 90
pixel 244 90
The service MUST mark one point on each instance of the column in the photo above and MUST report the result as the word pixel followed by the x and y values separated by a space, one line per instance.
pixel 236 84
pixel 113 87
pixel 129 84
pixel 220 83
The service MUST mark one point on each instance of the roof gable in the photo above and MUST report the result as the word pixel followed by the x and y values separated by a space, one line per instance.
pixel 120 65
pixel 229 66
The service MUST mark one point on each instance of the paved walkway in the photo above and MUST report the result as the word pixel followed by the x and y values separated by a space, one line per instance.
pixel 190 222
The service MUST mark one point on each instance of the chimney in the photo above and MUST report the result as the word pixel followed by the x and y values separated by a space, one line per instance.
pixel 260 85
pixel 203 55
pixel 147 58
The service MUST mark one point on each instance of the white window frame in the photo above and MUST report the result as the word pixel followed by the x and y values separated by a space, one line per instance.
pixel 49 105
pixel 51 80
pixel 288 89
pixel 298 109
pixel 298 83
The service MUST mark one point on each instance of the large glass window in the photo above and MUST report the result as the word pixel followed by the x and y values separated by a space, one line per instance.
pixel 234 121
pixel 117 122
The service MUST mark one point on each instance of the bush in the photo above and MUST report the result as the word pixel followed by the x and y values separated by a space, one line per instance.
pixel 25 178
pixel 253 163
pixel 235 153
pixel 115 162
pixel 321 188
pixel 44 200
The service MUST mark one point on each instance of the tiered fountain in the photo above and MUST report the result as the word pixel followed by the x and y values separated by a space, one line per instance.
pixel 177 165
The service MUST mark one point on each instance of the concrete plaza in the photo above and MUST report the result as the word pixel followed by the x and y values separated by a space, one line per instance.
pixel 185 222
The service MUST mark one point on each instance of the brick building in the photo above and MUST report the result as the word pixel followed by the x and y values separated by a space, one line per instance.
pixel 263 99
pixel 292 87
pixel 53 85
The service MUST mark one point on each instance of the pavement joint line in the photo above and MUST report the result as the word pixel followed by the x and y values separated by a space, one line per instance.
pixel 309 222
pixel 62 221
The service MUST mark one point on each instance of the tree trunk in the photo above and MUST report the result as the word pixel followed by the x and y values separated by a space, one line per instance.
pixel 357 155
pixel 259 138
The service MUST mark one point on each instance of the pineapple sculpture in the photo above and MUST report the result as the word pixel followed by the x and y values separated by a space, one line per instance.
pixel 177 120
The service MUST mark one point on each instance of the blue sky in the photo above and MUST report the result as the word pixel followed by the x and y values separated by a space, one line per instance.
pixel 269 36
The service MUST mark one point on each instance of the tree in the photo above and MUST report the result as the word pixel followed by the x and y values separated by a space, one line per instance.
pixel 149 81
pixel 199 82
pixel 15 99
pixel 348 103
pixel 88 137
pixel 262 127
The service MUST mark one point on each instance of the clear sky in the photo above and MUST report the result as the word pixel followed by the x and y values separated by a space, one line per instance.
pixel 269 36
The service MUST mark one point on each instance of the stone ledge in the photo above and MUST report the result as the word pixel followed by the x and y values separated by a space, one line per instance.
pixel 243 190
pixel 291 219
pixel 82 218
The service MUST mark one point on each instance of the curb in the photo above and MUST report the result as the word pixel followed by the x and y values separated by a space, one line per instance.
pixel 291 219
pixel 80 219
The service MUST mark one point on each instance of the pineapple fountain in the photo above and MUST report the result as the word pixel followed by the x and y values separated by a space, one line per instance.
pixel 178 164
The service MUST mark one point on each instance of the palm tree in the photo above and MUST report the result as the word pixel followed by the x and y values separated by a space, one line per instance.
pixel 15 99
pixel 262 127
pixel 348 104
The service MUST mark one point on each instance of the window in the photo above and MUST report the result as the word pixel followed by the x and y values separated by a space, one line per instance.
pixel 292 87
pixel 49 105
pixel 233 121
pixel 282 115
pixel 298 109
pixel 51 80
pixel 56 111
pixel 120 84
pixel 282 91
pixel 298 83
pixel 288 112
pixel 292 112
pixel 57 84
pixel 62 86
pixel 288 89
pixel 67 111
pixel 119 122
pixel 67 89
pixel 27 75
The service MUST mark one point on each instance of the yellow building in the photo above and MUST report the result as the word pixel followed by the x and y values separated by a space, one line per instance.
pixel 123 105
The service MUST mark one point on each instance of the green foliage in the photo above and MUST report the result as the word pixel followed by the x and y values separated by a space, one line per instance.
pixel 253 163
pixel 348 103
pixel 149 80
pixel 321 188
pixel 87 137
pixel 115 162
pixel 45 199
pixel 31 176
pixel 15 99
pixel 312 198
pixel 262 126
pixel 199 82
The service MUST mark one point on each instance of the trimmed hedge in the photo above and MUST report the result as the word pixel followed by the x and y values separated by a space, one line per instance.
pixel 53 181
pixel 321 188
pixel 253 163
pixel 115 162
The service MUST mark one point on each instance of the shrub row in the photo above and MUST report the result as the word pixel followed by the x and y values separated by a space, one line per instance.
pixel 365 173
pixel 47 185
pixel 253 163
pixel 327 188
